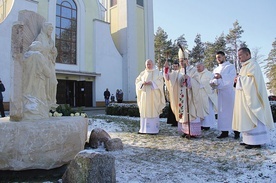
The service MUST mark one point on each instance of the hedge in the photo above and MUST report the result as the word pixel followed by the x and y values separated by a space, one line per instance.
pixel 122 109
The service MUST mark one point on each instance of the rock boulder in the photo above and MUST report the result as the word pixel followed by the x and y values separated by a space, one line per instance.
pixel 42 144
pixel 91 167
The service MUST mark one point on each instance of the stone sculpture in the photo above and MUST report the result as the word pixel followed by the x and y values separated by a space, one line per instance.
pixel 36 73
pixel 36 141
pixel 50 53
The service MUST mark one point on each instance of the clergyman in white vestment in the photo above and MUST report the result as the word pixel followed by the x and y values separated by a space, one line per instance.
pixel 179 85
pixel 252 112
pixel 171 86
pixel 150 98
pixel 208 97
pixel 223 81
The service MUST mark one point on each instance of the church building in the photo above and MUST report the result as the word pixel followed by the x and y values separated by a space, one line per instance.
pixel 101 44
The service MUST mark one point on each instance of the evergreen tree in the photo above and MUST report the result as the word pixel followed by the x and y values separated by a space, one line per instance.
pixel 162 47
pixel 220 44
pixel 197 53
pixel 211 49
pixel 173 53
pixel 182 41
pixel 210 56
pixel 271 69
pixel 234 41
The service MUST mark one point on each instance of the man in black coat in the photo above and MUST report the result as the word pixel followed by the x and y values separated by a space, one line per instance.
pixel 2 89
pixel 106 97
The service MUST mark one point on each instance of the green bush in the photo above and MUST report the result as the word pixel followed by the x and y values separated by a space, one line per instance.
pixel 121 109
pixel 66 110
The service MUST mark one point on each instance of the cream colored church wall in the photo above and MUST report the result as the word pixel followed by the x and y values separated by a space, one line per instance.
pixel 87 11
pixel 127 38
pixel 129 27
pixel 74 77
pixel 141 48
pixel 108 61
pixel 92 12
pixel 42 9
pixel 114 26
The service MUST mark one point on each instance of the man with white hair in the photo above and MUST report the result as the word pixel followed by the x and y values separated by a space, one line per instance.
pixel 150 98
pixel 208 97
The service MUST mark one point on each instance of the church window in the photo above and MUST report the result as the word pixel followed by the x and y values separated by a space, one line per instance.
pixel 66 31
pixel 113 3
pixel 140 2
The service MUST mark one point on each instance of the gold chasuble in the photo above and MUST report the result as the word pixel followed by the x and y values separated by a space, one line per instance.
pixel 251 100
pixel 178 98
pixel 206 93
pixel 150 98
pixel 173 86
pixel 193 97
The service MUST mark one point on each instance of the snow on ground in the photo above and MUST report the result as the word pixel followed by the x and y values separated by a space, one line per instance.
pixel 169 158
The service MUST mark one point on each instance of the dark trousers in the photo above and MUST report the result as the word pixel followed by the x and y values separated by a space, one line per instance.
pixel 171 117
pixel 2 108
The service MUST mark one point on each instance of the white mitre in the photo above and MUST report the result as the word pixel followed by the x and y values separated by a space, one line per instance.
pixel 183 55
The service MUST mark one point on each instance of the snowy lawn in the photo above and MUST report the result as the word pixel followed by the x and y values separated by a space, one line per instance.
pixel 169 158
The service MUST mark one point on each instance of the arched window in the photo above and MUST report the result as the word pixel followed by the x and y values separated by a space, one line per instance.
pixel 66 31
pixel 113 3
pixel 140 2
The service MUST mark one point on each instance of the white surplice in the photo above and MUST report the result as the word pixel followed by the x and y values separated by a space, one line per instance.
pixel 226 94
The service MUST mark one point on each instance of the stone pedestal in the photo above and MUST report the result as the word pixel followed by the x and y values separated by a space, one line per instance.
pixel 42 144
pixel 91 167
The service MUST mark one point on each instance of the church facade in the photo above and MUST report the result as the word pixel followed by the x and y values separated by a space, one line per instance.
pixel 101 44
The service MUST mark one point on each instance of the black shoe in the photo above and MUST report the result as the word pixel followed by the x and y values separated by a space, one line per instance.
pixel 184 135
pixel 243 144
pixel 237 135
pixel 187 136
pixel 252 146
pixel 224 134
pixel 191 137
pixel 205 128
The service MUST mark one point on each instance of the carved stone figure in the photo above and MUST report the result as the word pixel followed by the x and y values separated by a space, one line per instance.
pixel 50 53
pixel 35 75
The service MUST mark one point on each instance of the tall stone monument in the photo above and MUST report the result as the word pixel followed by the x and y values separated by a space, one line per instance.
pixel 29 138
pixel 24 32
